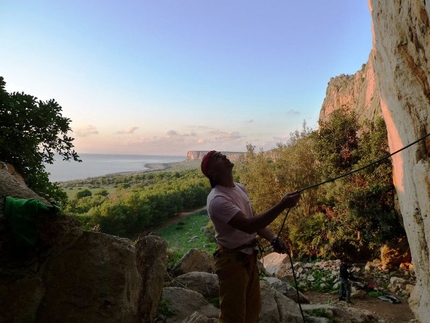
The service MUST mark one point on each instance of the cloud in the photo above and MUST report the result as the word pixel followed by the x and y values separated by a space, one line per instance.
pixel 226 136
pixel 86 131
pixel 171 138
pixel 294 112
pixel 174 133
pixel 176 142
pixel 127 131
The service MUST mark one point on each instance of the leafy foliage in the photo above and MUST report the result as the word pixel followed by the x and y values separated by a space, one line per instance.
pixel 83 193
pixel 360 206
pixel 165 310
pixel 31 133
pixel 352 215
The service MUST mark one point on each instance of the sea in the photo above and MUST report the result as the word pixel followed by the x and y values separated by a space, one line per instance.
pixel 94 165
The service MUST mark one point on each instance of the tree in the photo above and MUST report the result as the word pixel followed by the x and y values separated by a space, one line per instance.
pixel 31 133
pixel 83 193
pixel 337 144
pixel 359 207
pixel 296 169
pixel 257 171
pixel 354 213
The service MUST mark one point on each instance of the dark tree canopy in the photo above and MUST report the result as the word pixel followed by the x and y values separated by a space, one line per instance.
pixel 32 132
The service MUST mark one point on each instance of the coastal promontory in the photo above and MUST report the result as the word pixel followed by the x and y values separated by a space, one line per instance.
pixel 198 154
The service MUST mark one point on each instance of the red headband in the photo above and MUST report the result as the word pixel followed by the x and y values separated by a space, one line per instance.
pixel 205 162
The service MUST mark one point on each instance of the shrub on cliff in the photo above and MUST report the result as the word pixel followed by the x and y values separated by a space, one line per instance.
pixel 31 133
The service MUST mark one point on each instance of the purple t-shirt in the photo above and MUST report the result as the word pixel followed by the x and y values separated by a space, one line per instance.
pixel 223 203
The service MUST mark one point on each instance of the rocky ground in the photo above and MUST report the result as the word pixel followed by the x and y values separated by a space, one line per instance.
pixel 390 313
pixel 384 311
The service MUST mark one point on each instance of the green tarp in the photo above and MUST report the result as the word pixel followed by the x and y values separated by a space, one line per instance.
pixel 21 216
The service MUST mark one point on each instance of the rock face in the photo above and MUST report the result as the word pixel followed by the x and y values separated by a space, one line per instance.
pixel 356 92
pixel 396 82
pixel 194 260
pixel 402 63
pixel 151 264
pixel 91 280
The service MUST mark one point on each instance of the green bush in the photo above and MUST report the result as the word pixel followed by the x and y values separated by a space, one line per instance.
pixel 32 133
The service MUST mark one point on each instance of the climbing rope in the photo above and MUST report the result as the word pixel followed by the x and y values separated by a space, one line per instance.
pixel 350 173
pixel 364 167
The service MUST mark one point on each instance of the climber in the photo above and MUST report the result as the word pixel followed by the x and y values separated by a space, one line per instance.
pixel 236 227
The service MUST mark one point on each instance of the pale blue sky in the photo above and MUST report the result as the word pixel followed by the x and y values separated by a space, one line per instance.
pixel 165 77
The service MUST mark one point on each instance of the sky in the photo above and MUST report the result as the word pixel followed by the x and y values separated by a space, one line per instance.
pixel 163 77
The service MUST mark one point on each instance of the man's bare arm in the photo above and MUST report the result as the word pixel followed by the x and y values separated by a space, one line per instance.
pixel 261 221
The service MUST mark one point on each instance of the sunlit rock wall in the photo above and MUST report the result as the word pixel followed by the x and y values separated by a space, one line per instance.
pixel 401 37
pixel 356 92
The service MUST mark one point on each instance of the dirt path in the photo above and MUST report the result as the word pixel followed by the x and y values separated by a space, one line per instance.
pixel 390 313
pixel 177 218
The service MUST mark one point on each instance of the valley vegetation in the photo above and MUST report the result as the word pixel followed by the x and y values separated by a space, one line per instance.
pixel 352 215
pixel 137 203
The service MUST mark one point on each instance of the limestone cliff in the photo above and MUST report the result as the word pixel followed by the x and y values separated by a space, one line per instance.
pixel 356 92
pixel 396 83
pixel 401 42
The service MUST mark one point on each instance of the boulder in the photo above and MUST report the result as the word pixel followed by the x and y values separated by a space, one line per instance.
pixel 276 307
pixel 13 185
pixel 398 285
pixel 197 317
pixel 203 283
pixel 94 280
pixel 194 260
pixel 151 259
pixel 395 253
pixel 277 264
pixel 286 289
pixel 11 170
pixel 179 303
pixel 65 274
pixel 337 313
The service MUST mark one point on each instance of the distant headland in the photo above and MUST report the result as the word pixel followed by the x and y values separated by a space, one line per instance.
pixel 198 154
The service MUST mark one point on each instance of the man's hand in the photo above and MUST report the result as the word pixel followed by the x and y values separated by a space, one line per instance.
pixel 279 245
pixel 290 199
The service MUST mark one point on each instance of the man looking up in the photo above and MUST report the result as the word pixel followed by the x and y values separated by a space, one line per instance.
pixel 236 227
